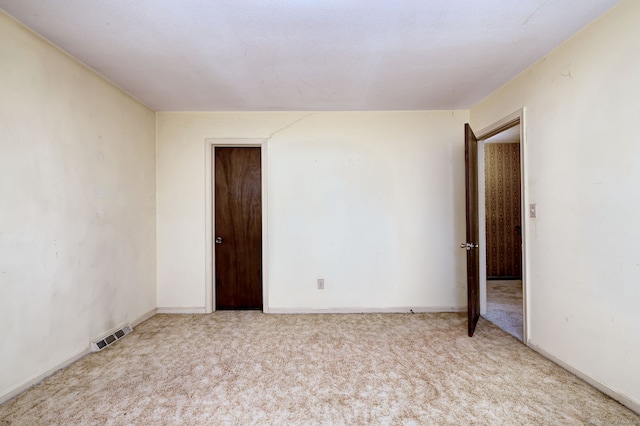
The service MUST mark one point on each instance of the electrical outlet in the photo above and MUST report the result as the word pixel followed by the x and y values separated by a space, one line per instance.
pixel 320 283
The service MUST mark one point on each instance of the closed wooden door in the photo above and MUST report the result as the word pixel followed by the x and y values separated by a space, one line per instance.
pixel 238 228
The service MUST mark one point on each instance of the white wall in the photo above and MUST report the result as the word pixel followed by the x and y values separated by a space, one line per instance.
pixel 583 171
pixel 77 207
pixel 373 202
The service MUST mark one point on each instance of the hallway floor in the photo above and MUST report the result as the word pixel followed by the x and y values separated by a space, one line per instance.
pixel 504 306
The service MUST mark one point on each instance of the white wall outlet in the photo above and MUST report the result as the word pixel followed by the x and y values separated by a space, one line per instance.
pixel 320 283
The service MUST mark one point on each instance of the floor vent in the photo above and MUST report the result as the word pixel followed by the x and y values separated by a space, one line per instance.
pixel 110 338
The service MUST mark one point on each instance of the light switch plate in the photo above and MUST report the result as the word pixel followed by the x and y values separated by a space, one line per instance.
pixel 532 210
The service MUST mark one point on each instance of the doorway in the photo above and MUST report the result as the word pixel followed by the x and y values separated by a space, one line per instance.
pixel 503 226
pixel 210 144
pixel 502 236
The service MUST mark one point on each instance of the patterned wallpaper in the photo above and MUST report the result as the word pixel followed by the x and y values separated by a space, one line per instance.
pixel 502 198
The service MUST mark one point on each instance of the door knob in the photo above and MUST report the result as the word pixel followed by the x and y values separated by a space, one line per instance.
pixel 218 240
pixel 468 246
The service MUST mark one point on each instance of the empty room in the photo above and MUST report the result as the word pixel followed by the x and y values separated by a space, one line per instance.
pixel 281 212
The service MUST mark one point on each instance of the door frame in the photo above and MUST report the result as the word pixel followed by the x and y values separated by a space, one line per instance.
pixel 517 117
pixel 210 262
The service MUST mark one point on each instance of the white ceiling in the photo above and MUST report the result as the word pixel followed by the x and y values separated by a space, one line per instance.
pixel 265 55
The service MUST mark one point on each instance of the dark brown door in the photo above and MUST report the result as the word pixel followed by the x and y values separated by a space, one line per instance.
pixel 238 228
pixel 471 245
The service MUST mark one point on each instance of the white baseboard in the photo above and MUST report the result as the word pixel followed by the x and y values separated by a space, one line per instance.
pixel 142 318
pixel 21 387
pixel 621 398
pixel 392 310
pixel 187 310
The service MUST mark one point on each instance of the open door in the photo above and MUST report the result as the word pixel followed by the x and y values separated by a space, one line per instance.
pixel 471 245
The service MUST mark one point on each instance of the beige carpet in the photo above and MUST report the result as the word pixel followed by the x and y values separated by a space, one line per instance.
pixel 504 306
pixel 240 368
